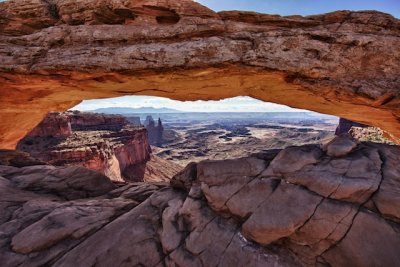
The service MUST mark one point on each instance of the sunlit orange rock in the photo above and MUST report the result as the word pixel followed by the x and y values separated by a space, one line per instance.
pixel 56 53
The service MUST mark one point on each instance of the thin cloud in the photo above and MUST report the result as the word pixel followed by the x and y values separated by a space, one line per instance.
pixel 236 104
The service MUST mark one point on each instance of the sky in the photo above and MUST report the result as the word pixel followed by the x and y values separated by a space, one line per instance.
pixel 281 7
pixel 236 104
pixel 304 7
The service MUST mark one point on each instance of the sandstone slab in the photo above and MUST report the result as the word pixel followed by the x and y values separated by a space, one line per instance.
pixel 371 241
pixel 270 222
pixel 340 146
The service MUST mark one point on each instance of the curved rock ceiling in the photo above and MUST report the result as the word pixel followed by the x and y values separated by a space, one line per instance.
pixel 55 53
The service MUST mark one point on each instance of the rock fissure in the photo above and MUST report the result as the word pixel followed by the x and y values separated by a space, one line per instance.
pixel 177 226
pixel 334 230
pixel 312 215
pixel 227 246
pixel 55 54
pixel 360 207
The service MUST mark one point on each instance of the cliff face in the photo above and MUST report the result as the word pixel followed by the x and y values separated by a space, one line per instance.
pixel 55 125
pixel 335 205
pixel 345 126
pixel 96 122
pixel 56 53
pixel 106 143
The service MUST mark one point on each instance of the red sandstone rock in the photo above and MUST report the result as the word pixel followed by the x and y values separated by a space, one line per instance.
pixel 55 125
pixel 95 121
pixel 289 224
pixel 105 143
pixel 56 53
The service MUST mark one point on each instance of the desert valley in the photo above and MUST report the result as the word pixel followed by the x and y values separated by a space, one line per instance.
pixel 215 173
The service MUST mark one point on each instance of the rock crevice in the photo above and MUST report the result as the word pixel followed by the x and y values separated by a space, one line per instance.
pixel 245 215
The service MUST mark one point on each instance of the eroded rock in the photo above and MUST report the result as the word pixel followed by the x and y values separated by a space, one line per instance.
pixel 56 53
pixel 74 221
pixel 271 221
pixel 70 182
pixel 292 159
pixel 388 196
pixel 102 142
pixel 354 178
pixel 340 146
pixel 312 216
pixel 371 241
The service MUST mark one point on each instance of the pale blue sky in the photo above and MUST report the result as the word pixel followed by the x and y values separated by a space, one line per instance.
pixel 281 7
pixel 304 7
pixel 236 104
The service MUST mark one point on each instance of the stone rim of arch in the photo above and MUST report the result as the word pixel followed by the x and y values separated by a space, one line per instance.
pixel 56 53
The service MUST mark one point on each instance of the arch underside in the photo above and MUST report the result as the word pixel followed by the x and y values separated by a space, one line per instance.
pixel 344 63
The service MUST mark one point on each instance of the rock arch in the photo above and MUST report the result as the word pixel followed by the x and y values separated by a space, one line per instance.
pixel 55 53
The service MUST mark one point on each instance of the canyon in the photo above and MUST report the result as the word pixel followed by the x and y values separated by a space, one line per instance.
pixel 193 137
pixel 105 143
pixel 332 204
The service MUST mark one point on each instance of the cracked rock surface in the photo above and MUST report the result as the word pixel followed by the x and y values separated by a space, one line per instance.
pixel 328 210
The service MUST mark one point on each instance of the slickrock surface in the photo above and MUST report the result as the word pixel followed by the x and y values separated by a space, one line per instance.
pixel 55 53
pixel 105 143
pixel 325 211
pixel 18 158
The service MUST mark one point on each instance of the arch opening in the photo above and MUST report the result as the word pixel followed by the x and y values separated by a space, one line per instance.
pixel 306 205
pixel 65 91
pixel 145 138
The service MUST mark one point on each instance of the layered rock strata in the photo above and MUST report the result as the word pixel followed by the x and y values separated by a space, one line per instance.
pixel 105 143
pixel 55 53
pixel 335 205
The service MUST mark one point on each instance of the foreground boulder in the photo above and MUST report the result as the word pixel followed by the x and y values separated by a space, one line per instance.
pixel 339 210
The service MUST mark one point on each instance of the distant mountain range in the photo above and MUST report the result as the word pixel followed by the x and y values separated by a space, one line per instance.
pixel 201 115
pixel 134 110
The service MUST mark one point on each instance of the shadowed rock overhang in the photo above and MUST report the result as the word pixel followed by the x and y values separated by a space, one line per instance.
pixel 56 53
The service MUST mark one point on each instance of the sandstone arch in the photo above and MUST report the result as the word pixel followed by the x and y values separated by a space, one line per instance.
pixel 55 53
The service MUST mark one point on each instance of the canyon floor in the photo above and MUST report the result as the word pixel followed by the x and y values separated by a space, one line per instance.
pixel 192 137
pixel 325 202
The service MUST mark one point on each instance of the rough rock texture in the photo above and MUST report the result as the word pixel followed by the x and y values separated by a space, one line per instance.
pixel 340 146
pixel 370 134
pixel 160 170
pixel 54 125
pixel 331 211
pixel 55 53
pixel 105 143
pixel 18 158
pixel 87 121
pixel 345 126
